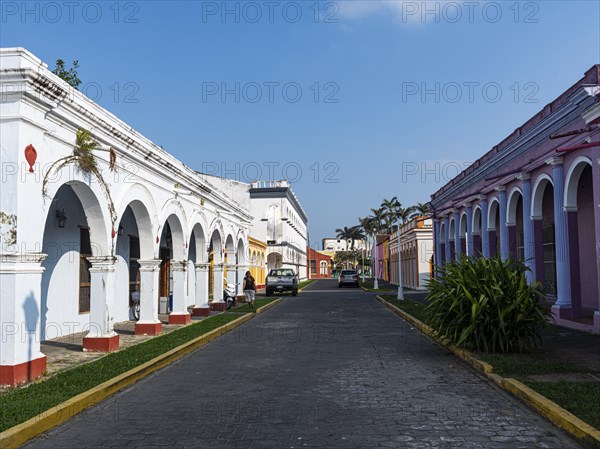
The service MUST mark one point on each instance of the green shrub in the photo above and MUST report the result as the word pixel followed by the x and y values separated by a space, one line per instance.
pixel 486 305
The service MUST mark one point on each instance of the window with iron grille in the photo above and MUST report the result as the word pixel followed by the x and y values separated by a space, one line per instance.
pixel 85 284
pixel 549 250
pixel 520 245
pixel 134 266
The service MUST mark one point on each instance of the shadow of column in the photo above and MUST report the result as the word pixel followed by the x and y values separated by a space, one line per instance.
pixel 32 318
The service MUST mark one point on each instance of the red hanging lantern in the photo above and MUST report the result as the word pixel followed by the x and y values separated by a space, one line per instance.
pixel 113 233
pixel 30 156
pixel 157 239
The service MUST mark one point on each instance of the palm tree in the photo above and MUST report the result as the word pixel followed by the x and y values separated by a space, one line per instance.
pixel 352 233
pixel 404 214
pixel 377 219
pixel 422 209
pixel 390 208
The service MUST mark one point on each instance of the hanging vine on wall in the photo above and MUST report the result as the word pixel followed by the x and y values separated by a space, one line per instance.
pixel 84 144
pixel 82 156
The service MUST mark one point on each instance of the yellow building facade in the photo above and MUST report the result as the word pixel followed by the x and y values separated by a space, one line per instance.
pixel 258 260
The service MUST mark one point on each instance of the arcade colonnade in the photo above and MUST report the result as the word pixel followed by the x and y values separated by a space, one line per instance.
pixel 81 243
pixel 537 202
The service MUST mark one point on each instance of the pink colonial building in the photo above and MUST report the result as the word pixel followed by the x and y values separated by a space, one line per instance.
pixel 536 197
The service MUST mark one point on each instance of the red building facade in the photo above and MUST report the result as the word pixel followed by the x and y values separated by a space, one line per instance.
pixel 319 265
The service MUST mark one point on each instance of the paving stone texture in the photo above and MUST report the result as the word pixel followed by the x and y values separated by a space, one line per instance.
pixel 331 368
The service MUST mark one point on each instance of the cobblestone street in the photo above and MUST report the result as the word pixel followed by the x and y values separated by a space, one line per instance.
pixel 331 368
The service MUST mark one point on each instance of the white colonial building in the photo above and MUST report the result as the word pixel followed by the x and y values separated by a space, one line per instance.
pixel 85 233
pixel 336 245
pixel 280 221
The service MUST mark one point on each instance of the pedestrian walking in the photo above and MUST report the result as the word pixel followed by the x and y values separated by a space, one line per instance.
pixel 249 289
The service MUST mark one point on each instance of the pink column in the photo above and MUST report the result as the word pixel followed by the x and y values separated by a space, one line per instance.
pixel 595 178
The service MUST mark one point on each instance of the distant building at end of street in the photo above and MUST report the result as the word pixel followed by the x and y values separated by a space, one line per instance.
pixel 319 264
pixel 335 245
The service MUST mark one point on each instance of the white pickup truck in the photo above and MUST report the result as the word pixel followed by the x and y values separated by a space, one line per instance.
pixel 281 280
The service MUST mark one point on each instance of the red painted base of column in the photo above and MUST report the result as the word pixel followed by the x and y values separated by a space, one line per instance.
pixel 182 319
pixel 218 306
pixel 201 311
pixel 12 375
pixel 101 344
pixel 563 313
pixel 148 328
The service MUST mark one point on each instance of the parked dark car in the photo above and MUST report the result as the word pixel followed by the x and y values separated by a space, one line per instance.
pixel 348 277
pixel 281 280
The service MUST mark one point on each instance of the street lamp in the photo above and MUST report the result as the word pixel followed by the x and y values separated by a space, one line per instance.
pixel 375 281
pixel 400 288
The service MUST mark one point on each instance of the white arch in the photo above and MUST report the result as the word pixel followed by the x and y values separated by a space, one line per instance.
pixel 241 252
pixel 217 245
pixel 217 226
pixel 199 228
pixel 140 193
pixel 572 180
pixel 462 230
pixel 198 218
pixel 476 224
pixel 200 243
pixel 177 236
pixel 493 209
pixel 538 195
pixel 139 199
pixel 442 231
pixel 174 207
pixel 513 200
pixel 94 204
pixel 452 229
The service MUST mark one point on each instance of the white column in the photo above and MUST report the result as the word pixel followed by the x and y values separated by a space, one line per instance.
pixel 469 236
pixel 485 233
pixel 438 242
pixel 201 286
pixel 20 316
pixel 400 295
pixel 447 249
pixel 149 324
pixel 241 273
pixel 217 283
pixel 102 336
pixel 231 275
pixel 179 314
pixel 528 236
pixel 503 226
pixel 562 307
pixel 457 246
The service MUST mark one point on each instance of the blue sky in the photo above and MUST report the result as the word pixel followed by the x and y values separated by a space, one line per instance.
pixel 353 100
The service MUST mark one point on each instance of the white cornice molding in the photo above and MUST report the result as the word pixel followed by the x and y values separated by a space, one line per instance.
pixel 72 110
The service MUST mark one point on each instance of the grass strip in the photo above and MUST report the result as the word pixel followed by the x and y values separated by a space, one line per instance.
pixel 305 283
pixel 580 398
pixel 258 303
pixel 519 365
pixel 21 404
pixel 416 309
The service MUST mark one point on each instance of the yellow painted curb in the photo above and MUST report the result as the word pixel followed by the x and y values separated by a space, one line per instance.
pixel 588 435
pixel 582 431
pixel 306 286
pixel 21 433
pixel 268 306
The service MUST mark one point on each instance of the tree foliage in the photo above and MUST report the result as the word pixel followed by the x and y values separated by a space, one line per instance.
pixel 68 75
